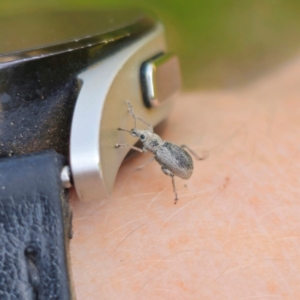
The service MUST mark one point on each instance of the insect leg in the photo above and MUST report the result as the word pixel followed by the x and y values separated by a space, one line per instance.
pixel 131 147
pixel 150 128
pixel 169 173
pixel 174 189
pixel 145 164
pixel 130 109
pixel 121 129
pixel 204 154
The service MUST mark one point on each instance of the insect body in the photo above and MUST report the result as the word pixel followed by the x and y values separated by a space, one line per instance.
pixel 174 160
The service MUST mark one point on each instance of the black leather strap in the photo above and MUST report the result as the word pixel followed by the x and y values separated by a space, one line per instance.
pixel 35 227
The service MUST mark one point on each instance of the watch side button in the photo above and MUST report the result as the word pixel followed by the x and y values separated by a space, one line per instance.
pixel 160 79
pixel 66 177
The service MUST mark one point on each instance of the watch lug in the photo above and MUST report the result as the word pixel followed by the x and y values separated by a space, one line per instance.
pixel 101 109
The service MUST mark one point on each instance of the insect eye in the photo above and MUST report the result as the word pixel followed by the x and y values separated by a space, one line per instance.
pixel 142 137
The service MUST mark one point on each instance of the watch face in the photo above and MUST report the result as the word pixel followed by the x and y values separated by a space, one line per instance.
pixel 41 56
pixel 34 35
pixel 64 82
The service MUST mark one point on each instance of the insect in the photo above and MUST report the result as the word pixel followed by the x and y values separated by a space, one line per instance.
pixel 174 160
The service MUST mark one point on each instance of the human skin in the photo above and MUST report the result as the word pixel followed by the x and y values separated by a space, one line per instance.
pixel 234 232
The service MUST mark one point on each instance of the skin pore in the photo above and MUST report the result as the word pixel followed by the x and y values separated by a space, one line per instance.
pixel 234 232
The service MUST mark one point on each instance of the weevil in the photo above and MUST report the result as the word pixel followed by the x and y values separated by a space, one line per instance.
pixel 174 160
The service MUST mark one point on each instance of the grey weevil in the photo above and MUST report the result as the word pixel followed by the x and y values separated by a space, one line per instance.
pixel 174 160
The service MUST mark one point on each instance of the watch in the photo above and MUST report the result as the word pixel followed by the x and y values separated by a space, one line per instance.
pixel 65 78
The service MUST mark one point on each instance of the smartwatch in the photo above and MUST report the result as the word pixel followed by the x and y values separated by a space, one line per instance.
pixel 65 78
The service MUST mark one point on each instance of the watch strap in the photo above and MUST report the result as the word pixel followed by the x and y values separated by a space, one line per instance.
pixel 35 227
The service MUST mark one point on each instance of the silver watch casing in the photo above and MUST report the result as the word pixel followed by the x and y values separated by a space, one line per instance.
pixel 110 74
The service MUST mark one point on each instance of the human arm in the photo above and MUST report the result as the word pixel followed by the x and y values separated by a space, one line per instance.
pixel 234 232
